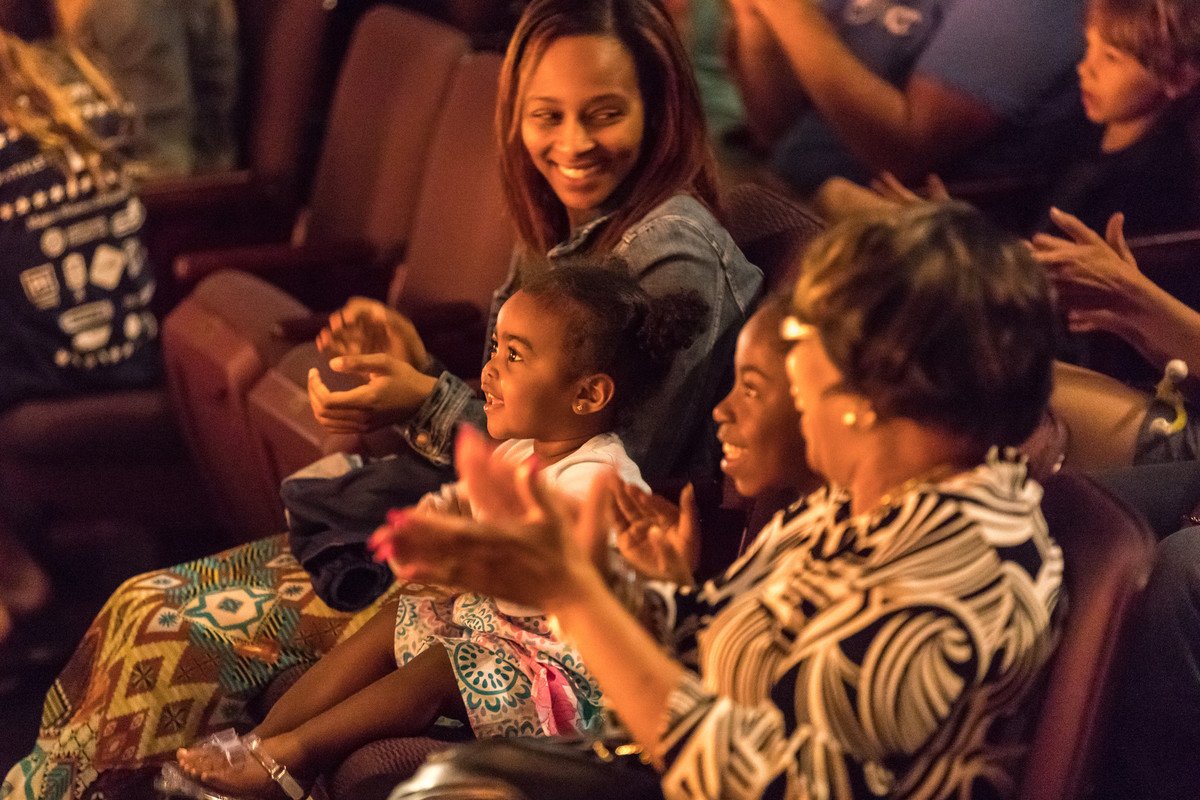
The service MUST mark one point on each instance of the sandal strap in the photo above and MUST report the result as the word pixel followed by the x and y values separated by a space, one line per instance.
pixel 277 771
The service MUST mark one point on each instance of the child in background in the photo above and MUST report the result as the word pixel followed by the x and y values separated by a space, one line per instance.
pixel 573 348
pixel 1138 79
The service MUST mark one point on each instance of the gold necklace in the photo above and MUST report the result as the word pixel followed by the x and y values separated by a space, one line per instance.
pixel 935 474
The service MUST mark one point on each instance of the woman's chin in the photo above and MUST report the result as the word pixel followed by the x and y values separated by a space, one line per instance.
pixel 746 486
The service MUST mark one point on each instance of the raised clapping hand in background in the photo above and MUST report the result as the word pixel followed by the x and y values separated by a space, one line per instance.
pixel 1097 277
pixel 533 550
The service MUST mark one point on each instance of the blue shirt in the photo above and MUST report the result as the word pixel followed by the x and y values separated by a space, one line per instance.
pixel 1015 57
pixel 677 246
pixel 75 297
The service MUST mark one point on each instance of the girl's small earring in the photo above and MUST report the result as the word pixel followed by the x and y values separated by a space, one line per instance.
pixel 850 419
pixel 579 408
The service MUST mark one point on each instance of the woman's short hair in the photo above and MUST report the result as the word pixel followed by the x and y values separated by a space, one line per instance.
pixel 674 156
pixel 1163 35
pixel 934 314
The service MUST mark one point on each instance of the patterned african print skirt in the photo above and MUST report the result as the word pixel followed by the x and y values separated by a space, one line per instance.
pixel 174 655
pixel 516 677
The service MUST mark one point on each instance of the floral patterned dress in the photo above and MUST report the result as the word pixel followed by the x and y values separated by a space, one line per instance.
pixel 516 677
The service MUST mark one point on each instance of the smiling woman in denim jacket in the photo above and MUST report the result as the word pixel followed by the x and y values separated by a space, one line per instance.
pixel 604 152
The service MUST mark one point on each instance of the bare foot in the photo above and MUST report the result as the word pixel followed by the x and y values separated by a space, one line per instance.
pixel 246 777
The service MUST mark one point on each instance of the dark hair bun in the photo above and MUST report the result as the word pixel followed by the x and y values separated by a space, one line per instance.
pixel 672 322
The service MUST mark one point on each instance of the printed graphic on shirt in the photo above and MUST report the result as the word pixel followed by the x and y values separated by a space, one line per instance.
pixel 896 18
pixel 41 286
pixel 77 291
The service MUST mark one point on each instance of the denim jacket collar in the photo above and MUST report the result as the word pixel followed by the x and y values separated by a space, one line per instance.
pixel 578 238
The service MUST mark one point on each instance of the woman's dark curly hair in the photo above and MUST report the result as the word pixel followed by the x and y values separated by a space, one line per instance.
pixel 934 314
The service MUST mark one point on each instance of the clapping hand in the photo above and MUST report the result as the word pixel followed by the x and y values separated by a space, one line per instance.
pixel 367 338
pixel 1096 276
pixel 528 551
pixel 658 538
pixel 393 391
pixel 889 187
pixel 365 326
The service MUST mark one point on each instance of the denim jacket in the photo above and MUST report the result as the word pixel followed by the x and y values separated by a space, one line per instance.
pixel 677 246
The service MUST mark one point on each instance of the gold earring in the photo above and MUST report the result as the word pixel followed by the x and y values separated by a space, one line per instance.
pixel 864 420
pixel 579 408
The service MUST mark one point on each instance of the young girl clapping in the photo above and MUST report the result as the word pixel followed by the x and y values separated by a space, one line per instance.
pixel 572 349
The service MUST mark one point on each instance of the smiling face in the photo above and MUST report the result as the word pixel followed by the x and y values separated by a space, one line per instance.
pixel 759 429
pixel 528 387
pixel 582 121
pixel 1118 90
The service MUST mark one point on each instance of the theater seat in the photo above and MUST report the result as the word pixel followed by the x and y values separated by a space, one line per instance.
pixel 280 42
pixel 771 229
pixel 452 247
pixel 102 474
pixel 359 214
pixel 1108 553
pixel 458 254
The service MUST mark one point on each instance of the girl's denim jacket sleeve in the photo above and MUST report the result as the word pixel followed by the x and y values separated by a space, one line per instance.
pixel 677 246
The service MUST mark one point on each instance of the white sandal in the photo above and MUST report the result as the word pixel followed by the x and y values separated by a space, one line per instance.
pixel 172 782
pixel 277 771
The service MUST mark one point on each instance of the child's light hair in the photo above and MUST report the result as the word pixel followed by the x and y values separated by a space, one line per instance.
pixel 34 104
pixel 1163 35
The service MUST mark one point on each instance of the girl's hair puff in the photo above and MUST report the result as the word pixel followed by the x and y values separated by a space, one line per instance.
pixel 616 328
pixel 1163 35
pixel 33 102
pixel 674 156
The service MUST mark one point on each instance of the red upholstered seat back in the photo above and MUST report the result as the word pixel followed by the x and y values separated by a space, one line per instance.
pixel 1108 553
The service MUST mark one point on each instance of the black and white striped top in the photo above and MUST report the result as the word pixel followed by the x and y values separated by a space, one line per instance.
pixel 871 656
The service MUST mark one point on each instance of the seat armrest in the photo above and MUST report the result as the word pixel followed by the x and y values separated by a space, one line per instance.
pixel 1171 260
pixel 193 194
pixel 269 259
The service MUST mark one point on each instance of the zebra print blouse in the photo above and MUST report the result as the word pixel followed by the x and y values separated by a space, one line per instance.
pixel 860 657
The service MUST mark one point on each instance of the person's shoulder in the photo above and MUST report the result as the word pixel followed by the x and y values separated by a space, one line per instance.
pixel 604 451
pixel 1001 503
pixel 513 450
pixel 682 227
pixel 680 212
